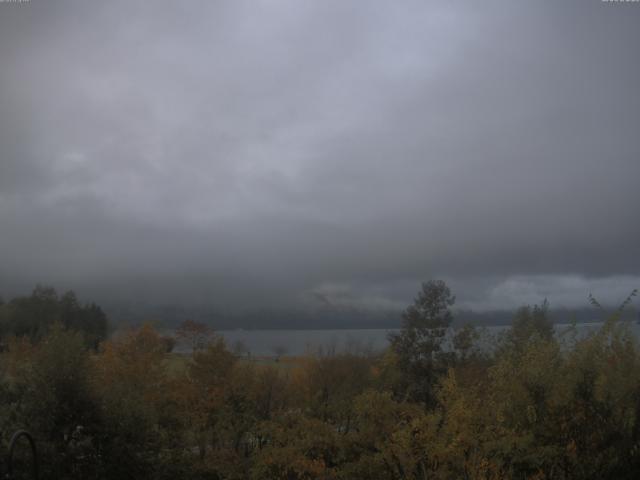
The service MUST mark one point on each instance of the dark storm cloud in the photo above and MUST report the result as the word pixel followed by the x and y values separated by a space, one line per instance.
pixel 303 150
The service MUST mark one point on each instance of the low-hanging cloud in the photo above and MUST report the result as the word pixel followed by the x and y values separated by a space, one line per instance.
pixel 258 153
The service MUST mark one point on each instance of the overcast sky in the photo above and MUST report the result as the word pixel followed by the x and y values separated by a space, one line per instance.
pixel 245 154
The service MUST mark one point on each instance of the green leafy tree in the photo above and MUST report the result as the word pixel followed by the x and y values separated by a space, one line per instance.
pixel 331 381
pixel 418 346
pixel 531 323
pixel 34 315
pixel 464 340
pixel 52 396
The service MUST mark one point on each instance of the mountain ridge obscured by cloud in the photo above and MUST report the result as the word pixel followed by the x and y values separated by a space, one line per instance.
pixel 249 154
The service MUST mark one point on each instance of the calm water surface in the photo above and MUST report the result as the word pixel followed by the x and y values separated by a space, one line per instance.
pixel 299 342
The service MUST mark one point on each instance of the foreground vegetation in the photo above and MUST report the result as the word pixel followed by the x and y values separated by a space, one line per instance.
pixel 538 405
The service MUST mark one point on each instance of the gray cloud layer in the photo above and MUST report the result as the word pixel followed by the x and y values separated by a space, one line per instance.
pixel 254 152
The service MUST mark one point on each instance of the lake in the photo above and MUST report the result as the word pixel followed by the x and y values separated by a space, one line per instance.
pixel 299 342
